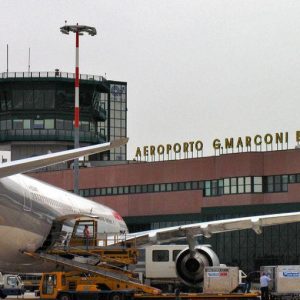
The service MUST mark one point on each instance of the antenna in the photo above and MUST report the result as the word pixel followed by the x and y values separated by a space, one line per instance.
pixel 29 61
pixel 7 59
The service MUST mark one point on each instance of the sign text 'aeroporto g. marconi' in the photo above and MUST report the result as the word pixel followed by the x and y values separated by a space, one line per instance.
pixel 278 138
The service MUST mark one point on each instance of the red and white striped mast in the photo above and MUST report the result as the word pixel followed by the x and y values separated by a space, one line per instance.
pixel 76 111
pixel 79 30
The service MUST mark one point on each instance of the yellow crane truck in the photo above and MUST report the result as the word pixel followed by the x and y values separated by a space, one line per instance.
pixel 80 286
pixel 77 286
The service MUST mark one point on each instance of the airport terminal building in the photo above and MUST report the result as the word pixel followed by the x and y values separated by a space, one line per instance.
pixel 165 193
pixel 165 185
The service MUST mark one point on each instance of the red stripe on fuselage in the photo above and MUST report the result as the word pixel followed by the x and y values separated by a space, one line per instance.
pixel 117 216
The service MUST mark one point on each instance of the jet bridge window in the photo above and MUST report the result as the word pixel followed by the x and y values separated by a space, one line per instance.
pixel 160 255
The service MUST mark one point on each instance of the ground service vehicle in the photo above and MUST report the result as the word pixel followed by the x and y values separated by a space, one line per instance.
pixel 75 285
pixel 10 285
pixel 31 281
pixel 156 266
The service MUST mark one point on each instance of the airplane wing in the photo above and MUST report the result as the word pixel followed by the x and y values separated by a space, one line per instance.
pixel 208 228
pixel 32 163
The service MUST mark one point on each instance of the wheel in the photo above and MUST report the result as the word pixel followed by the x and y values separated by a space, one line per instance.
pixel 64 296
pixel 116 296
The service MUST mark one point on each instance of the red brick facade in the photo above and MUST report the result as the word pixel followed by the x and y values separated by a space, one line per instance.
pixel 189 201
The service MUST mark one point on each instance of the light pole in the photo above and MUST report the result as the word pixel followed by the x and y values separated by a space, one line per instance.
pixel 79 30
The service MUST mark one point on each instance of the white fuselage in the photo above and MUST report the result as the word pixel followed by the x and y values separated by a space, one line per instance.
pixel 28 208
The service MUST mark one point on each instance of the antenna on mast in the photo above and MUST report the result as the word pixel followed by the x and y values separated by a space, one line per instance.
pixel 7 60
pixel 29 61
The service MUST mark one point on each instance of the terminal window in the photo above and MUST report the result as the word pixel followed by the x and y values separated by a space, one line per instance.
pixel 209 188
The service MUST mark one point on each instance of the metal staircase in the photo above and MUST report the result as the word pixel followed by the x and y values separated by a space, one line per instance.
pixel 119 276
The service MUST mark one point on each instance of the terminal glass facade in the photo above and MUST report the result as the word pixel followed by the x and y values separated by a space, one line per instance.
pixel 36 108
pixel 117 110
pixel 115 126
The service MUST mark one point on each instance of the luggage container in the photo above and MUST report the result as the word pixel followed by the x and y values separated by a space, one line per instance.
pixel 220 279
pixel 285 281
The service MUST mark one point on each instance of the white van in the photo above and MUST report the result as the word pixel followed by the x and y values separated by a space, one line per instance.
pixel 10 285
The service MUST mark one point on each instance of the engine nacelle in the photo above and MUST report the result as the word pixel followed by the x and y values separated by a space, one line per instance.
pixel 190 267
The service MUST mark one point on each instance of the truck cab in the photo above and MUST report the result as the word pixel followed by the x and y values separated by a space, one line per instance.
pixel 11 285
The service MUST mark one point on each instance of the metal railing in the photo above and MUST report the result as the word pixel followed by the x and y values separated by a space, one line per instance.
pixel 55 74
pixel 49 135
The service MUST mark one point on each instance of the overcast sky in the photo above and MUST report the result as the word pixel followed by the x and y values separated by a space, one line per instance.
pixel 200 69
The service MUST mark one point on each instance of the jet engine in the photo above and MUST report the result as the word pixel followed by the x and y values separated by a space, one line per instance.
pixel 190 264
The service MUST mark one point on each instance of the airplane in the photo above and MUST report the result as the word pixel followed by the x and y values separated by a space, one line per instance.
pixel 31 211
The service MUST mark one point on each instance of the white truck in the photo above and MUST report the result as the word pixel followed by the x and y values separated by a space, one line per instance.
pixel 156 266
pixel 11 285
